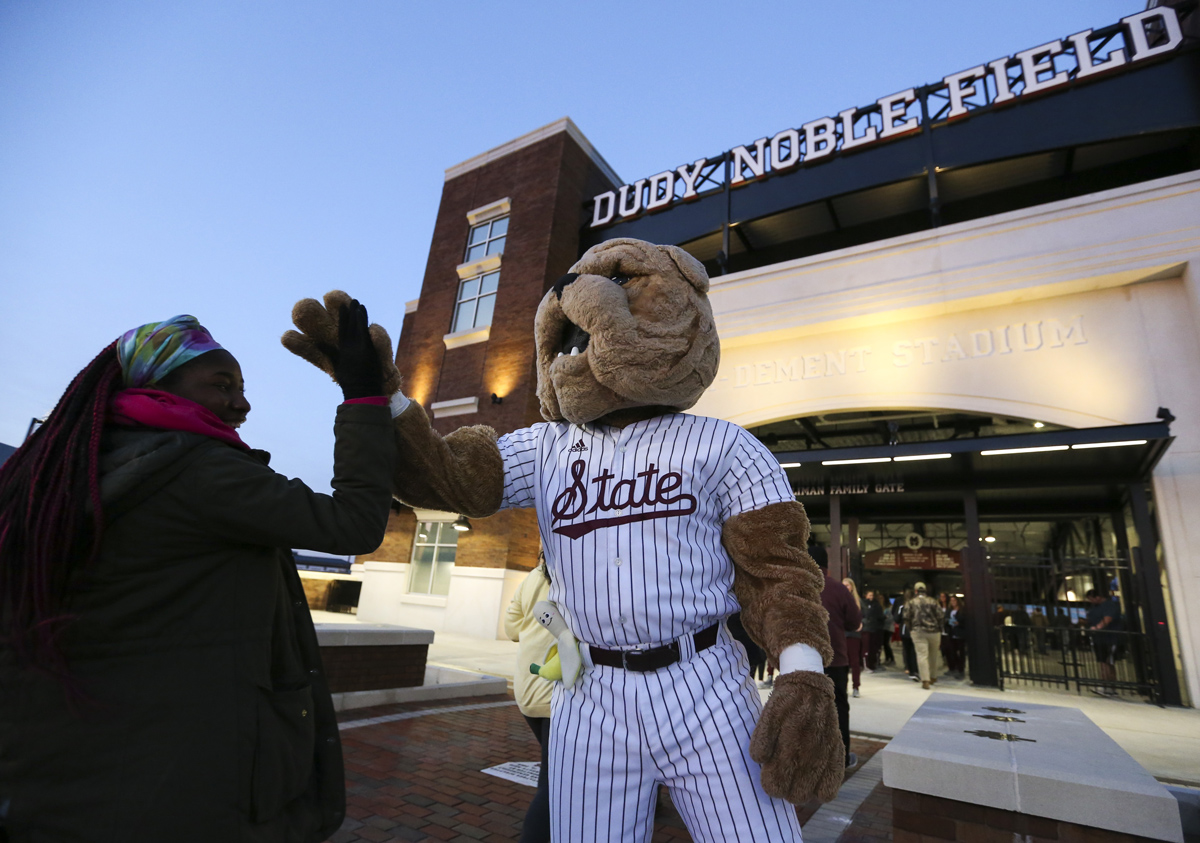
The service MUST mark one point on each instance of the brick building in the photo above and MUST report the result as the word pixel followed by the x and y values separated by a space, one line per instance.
pixel 965 317
pixel 508 227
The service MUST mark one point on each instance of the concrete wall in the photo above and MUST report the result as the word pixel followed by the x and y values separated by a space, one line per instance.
pixel 1082 313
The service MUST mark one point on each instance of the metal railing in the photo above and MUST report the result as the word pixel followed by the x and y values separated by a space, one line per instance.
pixel 1043 638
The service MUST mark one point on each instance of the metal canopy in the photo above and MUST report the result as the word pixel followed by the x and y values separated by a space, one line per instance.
pixel 1061 473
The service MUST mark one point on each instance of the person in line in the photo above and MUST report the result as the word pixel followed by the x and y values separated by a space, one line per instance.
pixel 533 693
pixel 872 609
pixel 1060 627
pixel 1040 624
pixel 844 616
pixel 925 617
pixel 956 625
pixel 889 628
pixel 160 677
pixel 943 601
pixel 904 619
pixel 1103 622
pixel 1020 628
pixel 854 641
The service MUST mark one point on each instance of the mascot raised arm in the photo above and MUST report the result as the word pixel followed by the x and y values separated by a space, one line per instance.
pixel 657 525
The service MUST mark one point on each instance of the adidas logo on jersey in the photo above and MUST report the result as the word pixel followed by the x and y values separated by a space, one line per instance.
pixel 577 448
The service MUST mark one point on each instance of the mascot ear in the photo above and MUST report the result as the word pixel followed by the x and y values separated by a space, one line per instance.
pixel 691 268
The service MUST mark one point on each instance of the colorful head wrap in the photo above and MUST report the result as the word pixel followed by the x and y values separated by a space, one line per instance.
pixel 149 353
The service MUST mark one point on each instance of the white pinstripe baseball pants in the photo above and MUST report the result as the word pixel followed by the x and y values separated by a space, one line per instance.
pixel 617 734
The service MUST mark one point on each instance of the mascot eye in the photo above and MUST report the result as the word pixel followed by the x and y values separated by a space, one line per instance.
pixel 621 279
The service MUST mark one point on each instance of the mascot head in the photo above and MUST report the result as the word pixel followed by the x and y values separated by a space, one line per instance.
pixel 629 326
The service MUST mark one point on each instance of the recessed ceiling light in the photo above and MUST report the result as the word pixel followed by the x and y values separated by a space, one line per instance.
pixel 856 462
pixel 1108 444
pixel 1024 450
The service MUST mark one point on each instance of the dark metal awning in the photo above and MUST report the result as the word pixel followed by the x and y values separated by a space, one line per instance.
pixel 1063 473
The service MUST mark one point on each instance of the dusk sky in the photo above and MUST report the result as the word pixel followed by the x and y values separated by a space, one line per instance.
pixel 226 158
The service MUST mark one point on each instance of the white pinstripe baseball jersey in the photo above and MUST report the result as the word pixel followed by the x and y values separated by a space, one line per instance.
pixel 630 519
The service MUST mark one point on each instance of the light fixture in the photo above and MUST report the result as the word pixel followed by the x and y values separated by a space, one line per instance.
pixel 856 462
pixel 1024 450
pixel 1039 425
pixel 916 457
pixel 790 465
pixel 496 399
pixel 989 538
pixel 462 524
pixel 1108 444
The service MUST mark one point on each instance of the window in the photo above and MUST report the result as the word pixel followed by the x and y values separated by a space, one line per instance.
pixel 487 238
pixel 476 300
pixel 433 558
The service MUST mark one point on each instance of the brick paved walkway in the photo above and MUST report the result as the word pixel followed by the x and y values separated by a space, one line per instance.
pixel 413 774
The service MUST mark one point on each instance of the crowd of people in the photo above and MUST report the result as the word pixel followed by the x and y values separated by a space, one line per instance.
pixel 921 626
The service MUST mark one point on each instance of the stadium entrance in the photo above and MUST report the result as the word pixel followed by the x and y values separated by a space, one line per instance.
pixel 1020 519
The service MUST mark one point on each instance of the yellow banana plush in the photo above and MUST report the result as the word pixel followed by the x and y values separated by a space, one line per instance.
pixel 552 669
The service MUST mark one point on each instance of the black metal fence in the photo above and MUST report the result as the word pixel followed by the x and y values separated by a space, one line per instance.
pixel 1040 626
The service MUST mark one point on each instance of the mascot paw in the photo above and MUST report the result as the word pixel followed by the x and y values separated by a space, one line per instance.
pixel 797 741
pixel 317 339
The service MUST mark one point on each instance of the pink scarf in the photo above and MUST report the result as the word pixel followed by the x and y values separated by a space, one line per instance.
pixel 155 408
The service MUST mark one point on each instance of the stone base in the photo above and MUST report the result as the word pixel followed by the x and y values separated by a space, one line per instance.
pixel 372 657
pixel 920 818
pixel 372 668
pixel 441 683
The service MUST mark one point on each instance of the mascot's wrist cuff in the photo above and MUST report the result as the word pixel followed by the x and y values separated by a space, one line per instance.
pixel 800 657
pixel 398 403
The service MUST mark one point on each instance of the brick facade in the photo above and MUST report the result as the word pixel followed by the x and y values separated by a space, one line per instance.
pixel 374 668
pixel 547 183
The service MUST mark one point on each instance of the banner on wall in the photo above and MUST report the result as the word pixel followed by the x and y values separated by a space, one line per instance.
pixel 919 559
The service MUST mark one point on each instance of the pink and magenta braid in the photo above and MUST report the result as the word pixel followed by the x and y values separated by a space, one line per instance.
pixel 50 517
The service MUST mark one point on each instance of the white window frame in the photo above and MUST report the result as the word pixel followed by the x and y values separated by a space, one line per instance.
pixel 441 530
pixel 493 244
pixel 473 301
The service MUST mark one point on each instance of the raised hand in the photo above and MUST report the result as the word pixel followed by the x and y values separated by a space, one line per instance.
pixel 335 338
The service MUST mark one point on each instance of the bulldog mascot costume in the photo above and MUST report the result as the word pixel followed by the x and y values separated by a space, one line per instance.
pixel 657 525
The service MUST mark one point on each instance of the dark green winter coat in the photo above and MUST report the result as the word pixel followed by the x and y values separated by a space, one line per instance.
pixel 205 714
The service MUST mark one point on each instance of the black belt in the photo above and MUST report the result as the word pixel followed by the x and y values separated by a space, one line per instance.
pixel 656 658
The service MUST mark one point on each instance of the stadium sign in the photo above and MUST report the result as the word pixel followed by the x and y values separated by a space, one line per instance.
pixel 1037 70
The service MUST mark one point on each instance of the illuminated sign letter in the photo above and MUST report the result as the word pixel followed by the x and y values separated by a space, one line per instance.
pixel 1137 30
pixel 779 161
pixel 1041 60
pixel 689 179
pixel 664 184
pixel 608 200
pixel 1083 56
pixel 960 86
pixel 623 207
pixel 819 138
pixel 848 139
pixel 1000 75
pixel 742 158
pixel 893 109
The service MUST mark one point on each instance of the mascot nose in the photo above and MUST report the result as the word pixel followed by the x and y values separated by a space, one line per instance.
pixel 569 278
pixel 561 284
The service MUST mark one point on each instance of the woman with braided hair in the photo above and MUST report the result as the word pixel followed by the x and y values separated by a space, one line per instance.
pixel 159 671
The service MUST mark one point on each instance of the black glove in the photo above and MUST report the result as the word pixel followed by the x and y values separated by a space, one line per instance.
pixel 356 365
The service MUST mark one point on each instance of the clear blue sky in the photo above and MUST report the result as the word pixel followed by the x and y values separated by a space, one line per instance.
pixel 226 158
